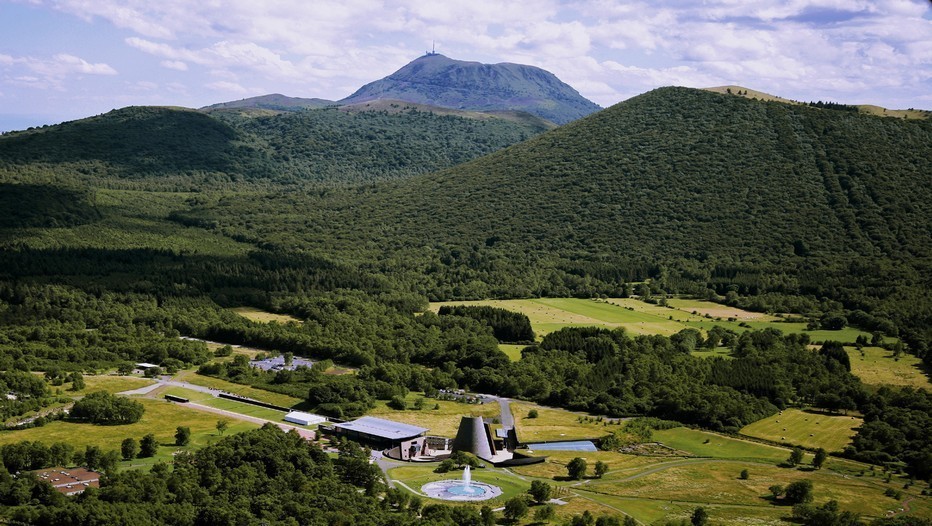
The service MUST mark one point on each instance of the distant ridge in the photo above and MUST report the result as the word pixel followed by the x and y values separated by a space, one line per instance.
pixel 868 109
pixel 274 101
pixel 440 81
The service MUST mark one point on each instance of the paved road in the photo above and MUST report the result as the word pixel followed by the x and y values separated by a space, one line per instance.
pixel 164 381
pixel 507 419
pixel 309 435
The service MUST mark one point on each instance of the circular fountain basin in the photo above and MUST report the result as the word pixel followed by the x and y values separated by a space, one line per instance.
pixel 458 490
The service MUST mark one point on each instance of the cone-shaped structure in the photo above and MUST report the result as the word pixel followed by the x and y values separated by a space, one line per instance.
pixel 474 436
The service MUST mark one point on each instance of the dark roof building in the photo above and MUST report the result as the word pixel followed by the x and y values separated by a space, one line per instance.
pixel 378 431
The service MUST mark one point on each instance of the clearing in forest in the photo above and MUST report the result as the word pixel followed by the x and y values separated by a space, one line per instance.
pixel 637 317
pixel 807 429
pixel 261 316
pixel 877 366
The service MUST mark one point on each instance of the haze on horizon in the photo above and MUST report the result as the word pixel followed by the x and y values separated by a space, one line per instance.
pixel 67 59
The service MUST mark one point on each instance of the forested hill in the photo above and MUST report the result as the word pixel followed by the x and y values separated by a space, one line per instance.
pixel 181 149
pixel 681 185
pixel 441 81
pixel 682 172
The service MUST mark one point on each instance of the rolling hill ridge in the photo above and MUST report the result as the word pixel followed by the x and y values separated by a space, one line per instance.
pixel 177 148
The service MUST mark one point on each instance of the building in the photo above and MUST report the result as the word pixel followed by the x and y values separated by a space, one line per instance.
pixel 69 481
pixel 277 363
pixel 410 441
pixel 304 419
pixel 475 436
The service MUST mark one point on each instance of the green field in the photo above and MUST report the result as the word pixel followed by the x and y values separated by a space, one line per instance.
pixel 160 418
pixel 876 366
pixel 110 383
pixel 228 405
pixel 637 317
pixel 705 444
pixel 262 395
pixel 261 316
pixel 554 424
pixel 512 351
pixel 807 429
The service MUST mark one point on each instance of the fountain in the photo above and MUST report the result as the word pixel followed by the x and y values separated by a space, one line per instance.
pixel 461 490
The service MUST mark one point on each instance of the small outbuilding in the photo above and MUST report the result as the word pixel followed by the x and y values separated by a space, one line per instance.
pixel 304 419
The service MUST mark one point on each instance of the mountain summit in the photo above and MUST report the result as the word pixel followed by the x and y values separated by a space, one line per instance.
pixel 441 81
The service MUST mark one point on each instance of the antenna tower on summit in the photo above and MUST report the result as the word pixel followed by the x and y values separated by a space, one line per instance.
pixel 433 48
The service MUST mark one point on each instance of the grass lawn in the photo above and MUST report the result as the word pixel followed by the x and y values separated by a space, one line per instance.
pixel 417 476
pixel 261 316
pixel 705 444
pixel 160 418
pixel 810 430
pixel 554 424
pixel 512 351
pixel 109 383
pixel 555 467
pixel 441 422
pixel 876 366
pixel 262 395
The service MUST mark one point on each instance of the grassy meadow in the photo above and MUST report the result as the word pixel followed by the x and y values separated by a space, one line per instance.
pixel 807 429
pixel 161 418
pixel 261 316
pixel 555 424
pixel 877 366
pixel 637 317
pixel 704 471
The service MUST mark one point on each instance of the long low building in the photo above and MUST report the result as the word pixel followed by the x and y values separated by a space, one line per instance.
pixel 385 434
pixel 304 419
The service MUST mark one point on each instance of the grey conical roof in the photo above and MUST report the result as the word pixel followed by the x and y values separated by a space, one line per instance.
pixel 474 437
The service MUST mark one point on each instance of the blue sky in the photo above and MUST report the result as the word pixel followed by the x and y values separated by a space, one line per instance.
pixel 66 59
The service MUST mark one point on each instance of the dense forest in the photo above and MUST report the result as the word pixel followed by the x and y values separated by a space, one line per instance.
pixel 178 149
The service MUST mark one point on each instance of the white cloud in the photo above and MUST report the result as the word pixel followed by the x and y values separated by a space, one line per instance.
pixel 65 64
pixel 177 65
pixel 857 49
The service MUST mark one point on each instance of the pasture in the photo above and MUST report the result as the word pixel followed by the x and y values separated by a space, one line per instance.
pixel 637 317
pixel 877 366
pixel 807 429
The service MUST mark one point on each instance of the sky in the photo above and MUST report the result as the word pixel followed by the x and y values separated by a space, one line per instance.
pixel 66 59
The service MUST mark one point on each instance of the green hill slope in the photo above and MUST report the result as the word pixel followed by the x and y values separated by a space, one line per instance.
pixel 697 190
pixel 180 149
